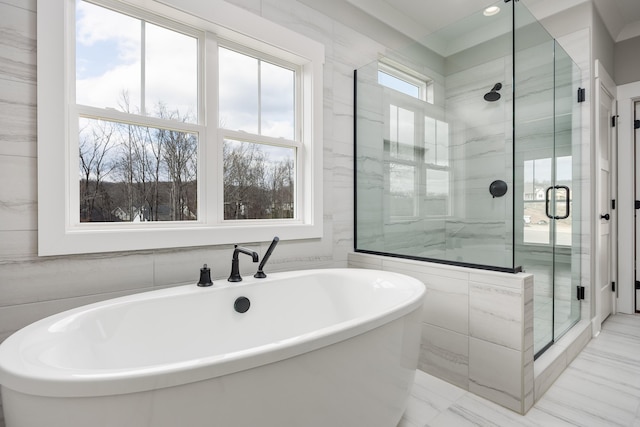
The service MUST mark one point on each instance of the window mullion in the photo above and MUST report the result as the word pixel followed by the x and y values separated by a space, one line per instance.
pixel 259 139
pixel 259 97
pixel 143 67
pixel 136 119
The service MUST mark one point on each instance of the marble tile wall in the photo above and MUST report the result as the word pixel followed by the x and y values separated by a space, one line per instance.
pixel 477 328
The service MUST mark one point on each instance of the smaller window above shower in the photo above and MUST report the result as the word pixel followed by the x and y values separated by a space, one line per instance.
pixel 402 79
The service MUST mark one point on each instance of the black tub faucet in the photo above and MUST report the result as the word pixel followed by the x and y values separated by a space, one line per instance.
pixel 260 274
pixel 235 263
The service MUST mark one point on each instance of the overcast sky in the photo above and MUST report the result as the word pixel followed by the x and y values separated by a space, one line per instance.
pixel 109 62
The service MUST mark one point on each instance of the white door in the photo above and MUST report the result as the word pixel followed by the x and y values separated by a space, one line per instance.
pixel 604 145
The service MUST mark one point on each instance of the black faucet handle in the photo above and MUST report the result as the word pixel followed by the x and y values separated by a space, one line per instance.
pixel 205 276
pixel 261 274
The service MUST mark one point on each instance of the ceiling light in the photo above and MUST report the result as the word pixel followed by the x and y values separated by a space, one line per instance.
pixel 491 10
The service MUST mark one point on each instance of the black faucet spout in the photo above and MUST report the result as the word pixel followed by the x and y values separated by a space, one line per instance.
pixel 235 262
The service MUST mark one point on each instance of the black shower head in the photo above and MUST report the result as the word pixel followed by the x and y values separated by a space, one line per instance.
pixel 493 95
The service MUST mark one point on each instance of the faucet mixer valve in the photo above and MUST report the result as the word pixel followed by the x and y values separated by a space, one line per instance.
pixel 205 276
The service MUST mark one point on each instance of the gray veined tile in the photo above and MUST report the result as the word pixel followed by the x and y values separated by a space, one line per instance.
pixel 474 411
pixel 600 388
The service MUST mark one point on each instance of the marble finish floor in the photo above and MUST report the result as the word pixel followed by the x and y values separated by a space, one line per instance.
pixel 601 387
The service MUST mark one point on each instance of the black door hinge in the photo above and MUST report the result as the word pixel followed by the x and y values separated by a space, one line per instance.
pixel 580 292
pixel 581 94
pixel 637 285
pixel 637 204
pixel 614 119
pixel 613 286
pixel 613 204
pixel 636 124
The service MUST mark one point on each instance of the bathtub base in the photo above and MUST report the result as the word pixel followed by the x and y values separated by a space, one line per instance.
pixel 365 380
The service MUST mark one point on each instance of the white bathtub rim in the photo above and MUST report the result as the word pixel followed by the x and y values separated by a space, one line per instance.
pixel 44 381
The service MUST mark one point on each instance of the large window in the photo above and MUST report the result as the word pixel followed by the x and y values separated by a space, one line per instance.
pixel 154 132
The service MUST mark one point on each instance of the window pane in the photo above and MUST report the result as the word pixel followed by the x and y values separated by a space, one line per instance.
pixel 430 140
pixel 277 101
pixel 238 100
pixel 442 143
pixel 537 178
pixel 259 180
pixel 402 190
pixel 437 192
pixel 436 139
pixel 171 80
pixel 108 55
pixel 135 173
pixel 398 84
pixel 401 133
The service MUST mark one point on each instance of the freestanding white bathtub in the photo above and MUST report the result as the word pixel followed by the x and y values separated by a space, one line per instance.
pixel 325 348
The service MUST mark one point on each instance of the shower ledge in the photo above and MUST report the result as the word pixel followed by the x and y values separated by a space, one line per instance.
pixel 548 367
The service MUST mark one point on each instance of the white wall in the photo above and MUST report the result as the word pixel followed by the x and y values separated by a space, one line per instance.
pixel 627 61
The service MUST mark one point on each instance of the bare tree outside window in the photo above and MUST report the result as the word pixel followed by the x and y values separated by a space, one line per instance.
pixel 96 165
pixel 136 173
pixel 258 181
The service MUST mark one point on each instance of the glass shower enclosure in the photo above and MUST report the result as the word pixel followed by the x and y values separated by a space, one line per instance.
pixel 467 152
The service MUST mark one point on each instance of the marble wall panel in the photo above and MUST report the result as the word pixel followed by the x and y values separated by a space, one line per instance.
pixel 495 315
pixel 495 373
pixel 445 354
pixel 18 200
pixel 46 279
pixel 18 110
pixel 18 43
pixel 446 303
pixel 18 244
pixel 22 4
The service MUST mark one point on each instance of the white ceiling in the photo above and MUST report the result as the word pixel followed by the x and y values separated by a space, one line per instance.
pixel 417 18
pixel 622 17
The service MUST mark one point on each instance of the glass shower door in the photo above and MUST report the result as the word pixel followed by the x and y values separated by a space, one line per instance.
pixel 534 166
pixel 546 164
pixel 567 265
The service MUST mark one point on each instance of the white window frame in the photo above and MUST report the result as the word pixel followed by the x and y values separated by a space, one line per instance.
pixel 58 231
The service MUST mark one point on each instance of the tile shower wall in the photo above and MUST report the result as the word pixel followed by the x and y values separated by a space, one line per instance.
pixel 477 330
pixel 33 287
